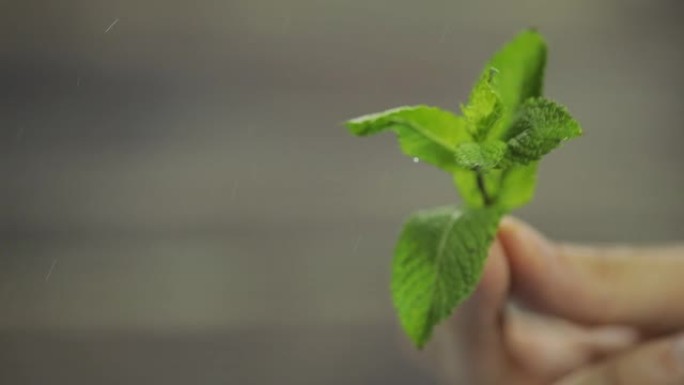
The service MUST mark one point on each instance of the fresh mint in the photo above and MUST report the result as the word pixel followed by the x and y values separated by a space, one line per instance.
pixel 437 263
pixel 491 151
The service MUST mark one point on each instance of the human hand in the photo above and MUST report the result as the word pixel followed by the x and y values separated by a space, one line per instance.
pixel 551 314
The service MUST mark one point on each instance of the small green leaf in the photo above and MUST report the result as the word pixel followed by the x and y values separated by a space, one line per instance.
pixel 541 126
pixel 521 65
pixel 466 183
pixel 517 186
pixel 480 156
pixel 437 263
pixel 428 133
pixel 484 108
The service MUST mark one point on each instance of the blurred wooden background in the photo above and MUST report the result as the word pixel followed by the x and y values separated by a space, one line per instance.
pixel 180 204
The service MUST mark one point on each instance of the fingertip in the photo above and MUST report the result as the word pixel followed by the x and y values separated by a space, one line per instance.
pixel 522 237
pixel 508 222
pixel 492 290
pixel 513 234
pixel 495 272
pixel 511 223
pixel 527 250
pixel 539 277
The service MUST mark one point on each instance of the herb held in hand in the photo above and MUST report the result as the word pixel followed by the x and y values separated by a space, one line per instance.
pixel 491 150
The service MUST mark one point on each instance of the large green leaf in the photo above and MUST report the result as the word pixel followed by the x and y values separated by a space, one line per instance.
pixel 520 65
pixel 427 133
pixel 437 263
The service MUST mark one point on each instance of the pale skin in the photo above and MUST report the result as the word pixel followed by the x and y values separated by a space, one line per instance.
pixel 547 313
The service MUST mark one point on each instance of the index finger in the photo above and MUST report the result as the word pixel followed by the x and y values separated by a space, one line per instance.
pixel 637 287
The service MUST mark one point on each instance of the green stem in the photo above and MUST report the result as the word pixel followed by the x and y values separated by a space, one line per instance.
pixel 488 201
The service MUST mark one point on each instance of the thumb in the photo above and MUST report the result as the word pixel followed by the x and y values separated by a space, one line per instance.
pixel 637 287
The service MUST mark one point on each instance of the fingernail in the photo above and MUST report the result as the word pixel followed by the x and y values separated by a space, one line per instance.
pixel 614 337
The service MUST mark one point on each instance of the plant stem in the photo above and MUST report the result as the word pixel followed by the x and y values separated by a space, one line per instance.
pixel 488 201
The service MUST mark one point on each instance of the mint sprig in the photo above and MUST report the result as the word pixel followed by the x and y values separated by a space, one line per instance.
pixel 492 152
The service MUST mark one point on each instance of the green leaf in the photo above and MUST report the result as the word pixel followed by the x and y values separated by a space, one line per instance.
pixel 541 126
pixel 521 65
pixel 480 156
pixel 428 133
pixel 484 108
pixel 517 186
pixel 437 263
